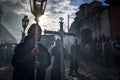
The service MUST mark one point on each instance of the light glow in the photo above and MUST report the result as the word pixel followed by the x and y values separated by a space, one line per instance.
pixel 43 20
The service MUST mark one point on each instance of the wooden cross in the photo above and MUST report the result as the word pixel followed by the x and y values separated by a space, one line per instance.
pixel 61 33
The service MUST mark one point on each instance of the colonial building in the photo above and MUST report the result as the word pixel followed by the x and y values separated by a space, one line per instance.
pixel 92 21
pixel 114 10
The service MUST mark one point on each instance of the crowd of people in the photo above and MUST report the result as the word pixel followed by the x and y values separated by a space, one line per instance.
pixel 104 51
pixel 6 53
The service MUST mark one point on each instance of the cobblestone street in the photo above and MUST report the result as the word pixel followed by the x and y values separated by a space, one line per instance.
pixel 89 71
pixel 93 71
pixel 6 72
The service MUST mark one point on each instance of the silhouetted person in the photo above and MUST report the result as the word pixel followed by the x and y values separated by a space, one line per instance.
pixel 56 68
pixel 24 61
pixel 108 52
pixel 116 48
pixel 74 57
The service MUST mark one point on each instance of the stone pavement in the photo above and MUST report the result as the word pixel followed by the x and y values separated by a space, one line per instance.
pixel 93 71
pixel 87 71
pixel 6 72
pixel 102 72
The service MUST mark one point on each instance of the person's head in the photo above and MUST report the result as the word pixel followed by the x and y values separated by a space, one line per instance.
pixel 31 31
pixel 76 42
pixel 57 42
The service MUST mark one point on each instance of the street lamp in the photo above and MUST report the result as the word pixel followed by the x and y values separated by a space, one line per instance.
pixel 37 8
pixel 61 23
pixel 25 22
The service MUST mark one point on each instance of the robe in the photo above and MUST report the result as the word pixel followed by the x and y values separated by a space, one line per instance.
pixel 23 62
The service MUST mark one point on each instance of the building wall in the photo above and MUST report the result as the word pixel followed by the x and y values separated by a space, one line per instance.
pixel 93 16
pixel 105 23
pixel 115 21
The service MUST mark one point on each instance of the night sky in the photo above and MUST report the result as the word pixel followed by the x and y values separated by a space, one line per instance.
pixel 14 11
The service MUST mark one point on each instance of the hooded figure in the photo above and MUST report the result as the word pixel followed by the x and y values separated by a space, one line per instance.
pixel 24 60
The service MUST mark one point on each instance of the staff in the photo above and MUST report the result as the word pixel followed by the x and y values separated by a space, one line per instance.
pixel 37 9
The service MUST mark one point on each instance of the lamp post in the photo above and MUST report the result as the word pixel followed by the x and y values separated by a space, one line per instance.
pixel 37 9
pixel 25 22
pixel 61 47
